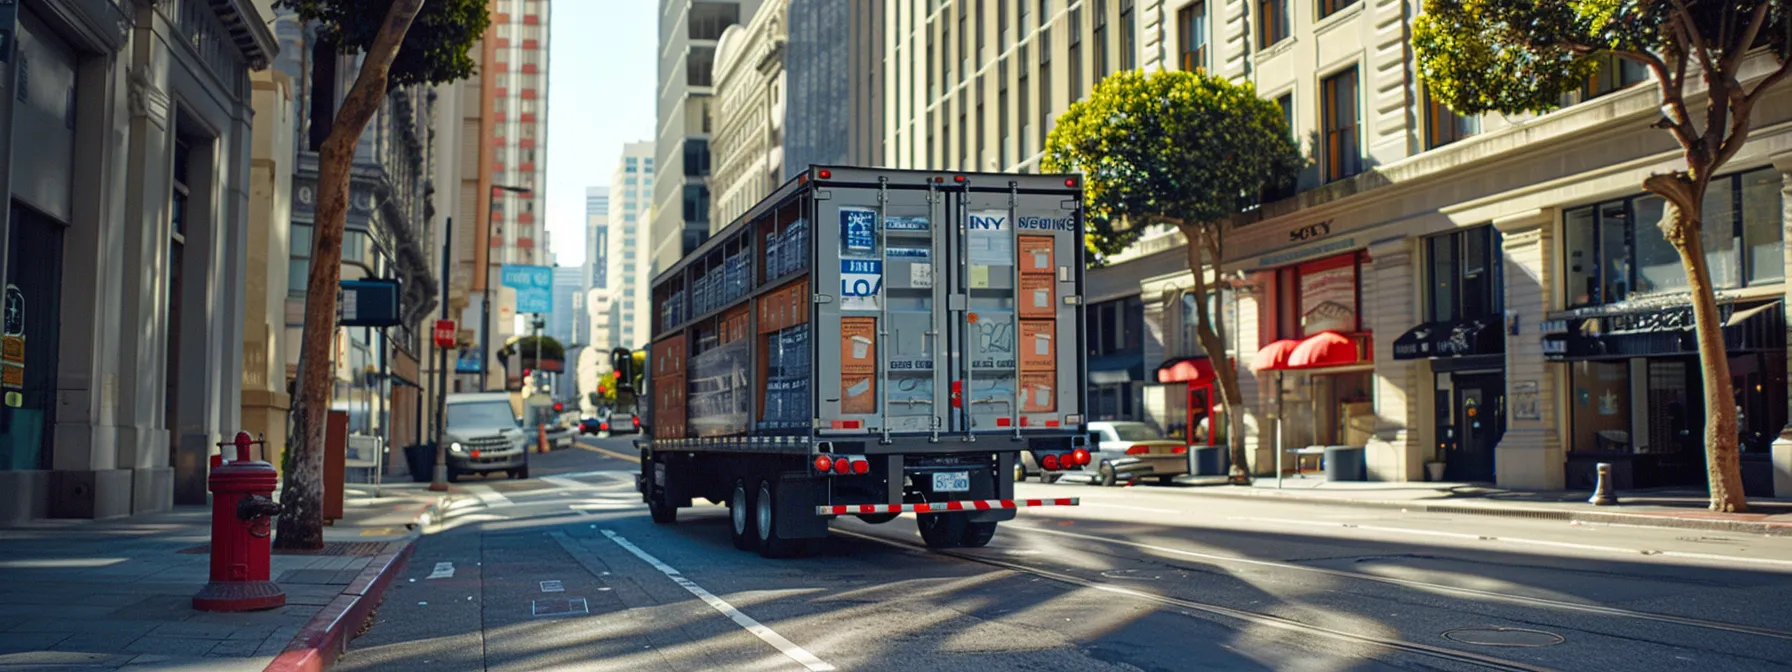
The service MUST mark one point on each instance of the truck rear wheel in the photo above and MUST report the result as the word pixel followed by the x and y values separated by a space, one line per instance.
pixel 740 519
pixel 942 530
pixel 771 544
pixel 663 513
pixel 977 535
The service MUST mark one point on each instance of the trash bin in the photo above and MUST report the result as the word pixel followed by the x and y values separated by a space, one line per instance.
pixel 1212 460
pixel 1345 463
pixel 421 460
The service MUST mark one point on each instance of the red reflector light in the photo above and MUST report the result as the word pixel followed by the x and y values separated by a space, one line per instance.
pixel 861 467
pixel 1049 463
pixel 1003 422
pixel 603 426
pixel 957 178
pixel 842 466
pixel 475 453
pixel 1071 182
pixel 1137 450
pixel 825 173
pixel 1179 450
pixel 823 463
pixel 1080 456
pixel 1051 423
pixel 637 423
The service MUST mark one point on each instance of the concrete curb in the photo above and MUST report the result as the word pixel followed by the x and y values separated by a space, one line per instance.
pixel 1534 513
pixel 327 635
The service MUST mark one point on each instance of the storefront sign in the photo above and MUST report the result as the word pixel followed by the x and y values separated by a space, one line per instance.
pixel 1310 231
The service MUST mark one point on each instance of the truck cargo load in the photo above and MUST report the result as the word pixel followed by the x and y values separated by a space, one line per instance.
pixel 870 342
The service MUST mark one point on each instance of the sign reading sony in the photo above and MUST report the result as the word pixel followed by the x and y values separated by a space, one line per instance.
pixel 1305 233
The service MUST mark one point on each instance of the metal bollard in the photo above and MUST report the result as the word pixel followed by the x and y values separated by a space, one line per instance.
pixel 1602 493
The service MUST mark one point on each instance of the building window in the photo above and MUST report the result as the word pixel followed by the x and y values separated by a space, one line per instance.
pixel 1190 345
pixel 1002 23
pixel 977 159
pixel 1276 192
pixel 298 268
pixel 1002 116
pixel 981 32
pixel 1613 73
pixel 1272 22
pixel 696 204
pixel 1343 157
pixel 1444 126
pixel 1075 54
pixel 1115 327
pixel 1330 7
pixel 964 53
pixel 1464 275
pixel 709 19
pixel 1191 37
pixel 1128 37
pixel 1023 114
pixel 1045 80
pixel 1101 39
pixel 696 157
pixel 1616 250
pixel 700 66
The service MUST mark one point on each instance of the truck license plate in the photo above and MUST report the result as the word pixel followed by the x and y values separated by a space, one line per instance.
pixel 952 481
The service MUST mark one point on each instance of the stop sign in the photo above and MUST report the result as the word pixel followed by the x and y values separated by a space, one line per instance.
pixel 444 334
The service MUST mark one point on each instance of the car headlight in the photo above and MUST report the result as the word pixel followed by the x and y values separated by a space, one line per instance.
pixel 456 447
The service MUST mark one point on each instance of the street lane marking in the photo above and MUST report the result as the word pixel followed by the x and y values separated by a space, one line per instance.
pixel 1130 508
pixel 603 451
pixel 553 587
pixel 1515 540
pixel 795 652
pixel 563 482
pixel 1430 587
pixel 443 570
pixel 487 496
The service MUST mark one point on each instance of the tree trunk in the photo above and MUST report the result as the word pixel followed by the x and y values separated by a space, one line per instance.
pixel 1683 228
pixel 1207 330
pixel 301 523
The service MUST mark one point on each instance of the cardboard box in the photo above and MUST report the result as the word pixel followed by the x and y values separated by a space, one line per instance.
pixel 799 302
pixel 1038 345
pixel 1036 255
pixel 858 344
pixel 1037 296
pixel 668 357
pixel 1038 392
pixel 734 325
pixel 858 393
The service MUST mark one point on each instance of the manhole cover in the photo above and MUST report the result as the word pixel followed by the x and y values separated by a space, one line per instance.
pixel 1504 637
pixel 560 606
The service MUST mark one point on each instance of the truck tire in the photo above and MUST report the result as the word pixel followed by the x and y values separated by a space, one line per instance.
pixel 977 535
pixel 941 530
pixel 765 508
pixel 740 519
pixel 663 513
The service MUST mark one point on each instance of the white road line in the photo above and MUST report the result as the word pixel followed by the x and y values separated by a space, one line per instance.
pixel 487 496
pixel 443 570
pixel 563 482
pixel 1516 540
pixel 1129 508
pixel 795 652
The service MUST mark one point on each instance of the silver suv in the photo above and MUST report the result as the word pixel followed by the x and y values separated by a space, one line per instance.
pixel 484 435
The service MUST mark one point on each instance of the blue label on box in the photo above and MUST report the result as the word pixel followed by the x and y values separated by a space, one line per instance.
pixel 858 229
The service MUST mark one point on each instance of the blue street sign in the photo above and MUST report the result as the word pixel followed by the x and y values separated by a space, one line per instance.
pixel 534 287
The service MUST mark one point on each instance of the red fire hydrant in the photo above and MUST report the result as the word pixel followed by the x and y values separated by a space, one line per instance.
pixel 242 504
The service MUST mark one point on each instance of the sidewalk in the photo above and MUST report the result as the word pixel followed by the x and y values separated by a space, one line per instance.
pixel 1679 508
pixel 107 594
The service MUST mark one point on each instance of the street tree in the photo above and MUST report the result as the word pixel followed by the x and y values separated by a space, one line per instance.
pixel 403 42
pixel 1183 149
pixel 1518 56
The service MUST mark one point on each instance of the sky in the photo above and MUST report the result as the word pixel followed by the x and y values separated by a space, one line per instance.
pixel 601 75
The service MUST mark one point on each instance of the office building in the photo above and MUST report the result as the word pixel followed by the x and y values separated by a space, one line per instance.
pixel 626 261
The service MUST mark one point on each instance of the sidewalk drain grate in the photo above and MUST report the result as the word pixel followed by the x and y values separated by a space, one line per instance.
pixel 560 606
pixel 359 549
pixel 1497 636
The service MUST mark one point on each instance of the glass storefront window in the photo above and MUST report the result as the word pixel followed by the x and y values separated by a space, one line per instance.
pixel 1614 248
pixel 1582 277
pixel 1443 278
pixel 1599 403
pixel 1762 229
pixel 1465 275
pixel 1657 263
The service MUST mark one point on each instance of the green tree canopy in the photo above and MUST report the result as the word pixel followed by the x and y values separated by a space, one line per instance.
pixel 435 49
pixel 1169 147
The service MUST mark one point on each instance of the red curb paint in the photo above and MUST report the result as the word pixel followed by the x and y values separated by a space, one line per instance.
pixel 327 635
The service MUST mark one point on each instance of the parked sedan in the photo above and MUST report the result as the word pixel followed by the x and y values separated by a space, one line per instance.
pixel 1131 450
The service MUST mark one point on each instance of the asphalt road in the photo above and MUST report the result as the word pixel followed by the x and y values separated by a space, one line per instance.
pixel 566 571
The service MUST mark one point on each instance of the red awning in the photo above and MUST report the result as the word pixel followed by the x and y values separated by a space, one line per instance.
pixel 1327 348
pixel 1274 356
pixel 1186 370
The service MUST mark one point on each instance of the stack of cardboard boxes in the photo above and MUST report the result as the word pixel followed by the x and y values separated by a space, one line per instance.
pixel 1038 330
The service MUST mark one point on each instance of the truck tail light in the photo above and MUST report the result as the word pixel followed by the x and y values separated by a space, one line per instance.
pixel 637 422
pixel 1049 463
pixel 603 426
pixel 1080 456
pixel 861 466
pixel 1179 450
pixel 823 463
pixel 1138 449
pixel 842 466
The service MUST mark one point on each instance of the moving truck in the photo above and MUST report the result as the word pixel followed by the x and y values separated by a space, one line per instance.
pixel 870 342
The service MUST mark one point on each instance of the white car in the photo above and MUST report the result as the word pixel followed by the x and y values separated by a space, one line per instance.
pixel 1130 450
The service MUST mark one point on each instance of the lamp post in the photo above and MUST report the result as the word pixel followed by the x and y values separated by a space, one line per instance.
pixel 482 251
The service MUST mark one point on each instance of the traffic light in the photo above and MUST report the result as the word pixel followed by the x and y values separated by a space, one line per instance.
pixel 616 374
pixel 559 407
pixel 526 373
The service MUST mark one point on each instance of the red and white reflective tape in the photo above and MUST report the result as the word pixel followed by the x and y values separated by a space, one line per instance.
pixel 941 507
